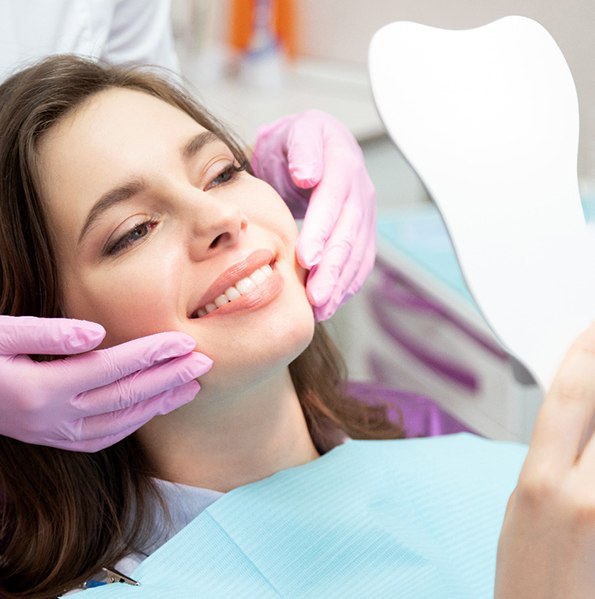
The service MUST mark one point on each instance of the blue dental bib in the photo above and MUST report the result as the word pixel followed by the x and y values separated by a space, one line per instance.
pixel 416 518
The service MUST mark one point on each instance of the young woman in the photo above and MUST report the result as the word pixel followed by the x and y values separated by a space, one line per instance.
pixel 123 202
pixel 338 195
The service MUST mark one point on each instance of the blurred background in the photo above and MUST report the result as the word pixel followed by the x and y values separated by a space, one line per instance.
pixel 414 326
pixel 328 47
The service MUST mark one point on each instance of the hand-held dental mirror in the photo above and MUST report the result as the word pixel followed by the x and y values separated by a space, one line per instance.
pixel 488 118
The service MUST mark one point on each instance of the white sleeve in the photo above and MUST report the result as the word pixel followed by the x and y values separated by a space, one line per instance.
pixel 36 28
pixel 119 31
pixel 141 33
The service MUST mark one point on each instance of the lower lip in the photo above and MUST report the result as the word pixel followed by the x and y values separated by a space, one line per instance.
pixel 259 297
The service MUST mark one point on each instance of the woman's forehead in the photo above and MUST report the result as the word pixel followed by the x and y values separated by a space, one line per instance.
pixel 115 135
pixel 118 127
pixel 115 111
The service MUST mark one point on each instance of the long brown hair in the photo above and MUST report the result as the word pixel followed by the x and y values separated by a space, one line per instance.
pixel 49 538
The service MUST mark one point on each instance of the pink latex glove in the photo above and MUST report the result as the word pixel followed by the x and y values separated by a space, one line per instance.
pixel 89 402
pixel 316 165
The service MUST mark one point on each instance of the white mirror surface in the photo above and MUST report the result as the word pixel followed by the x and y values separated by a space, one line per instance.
pixel 488 118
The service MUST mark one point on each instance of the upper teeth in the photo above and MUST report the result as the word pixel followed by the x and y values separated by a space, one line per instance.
pixel 242 287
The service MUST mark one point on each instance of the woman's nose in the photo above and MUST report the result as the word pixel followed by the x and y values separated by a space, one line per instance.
pixel 215 227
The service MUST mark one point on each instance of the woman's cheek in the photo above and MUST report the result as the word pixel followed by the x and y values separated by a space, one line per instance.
pixel 128 307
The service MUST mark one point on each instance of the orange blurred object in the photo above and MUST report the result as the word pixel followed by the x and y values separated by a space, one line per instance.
pixel 282 23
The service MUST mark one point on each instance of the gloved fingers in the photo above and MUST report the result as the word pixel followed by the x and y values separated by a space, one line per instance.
pixel 102 367
pixel 143 385
pixel 350 279
pixel 98 432
pixel 306 150
pixel 337 258
pixel 325 208
pixel 329 282
pixel 53 336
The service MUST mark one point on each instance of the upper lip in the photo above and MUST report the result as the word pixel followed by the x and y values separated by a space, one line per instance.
pixel 231 275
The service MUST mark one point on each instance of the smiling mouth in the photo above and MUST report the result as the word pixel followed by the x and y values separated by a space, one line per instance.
pixel 242 287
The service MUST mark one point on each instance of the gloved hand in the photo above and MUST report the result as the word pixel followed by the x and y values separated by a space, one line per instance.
pixel 313 161
pixel 89 402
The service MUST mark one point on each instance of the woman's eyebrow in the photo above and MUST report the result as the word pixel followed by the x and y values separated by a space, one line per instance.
pixel 137 185
pixel 109 198
pixel 198 142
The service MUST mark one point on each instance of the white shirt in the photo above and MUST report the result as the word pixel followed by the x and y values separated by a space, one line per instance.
pixel 184 503
pixel 119 31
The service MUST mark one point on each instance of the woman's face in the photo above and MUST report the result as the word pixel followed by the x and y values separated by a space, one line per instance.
pixel 153 228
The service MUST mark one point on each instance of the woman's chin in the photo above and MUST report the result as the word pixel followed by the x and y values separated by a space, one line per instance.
pixel 246 364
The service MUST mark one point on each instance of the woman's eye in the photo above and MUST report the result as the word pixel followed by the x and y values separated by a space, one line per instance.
pixel 131 237
pixel 226 175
